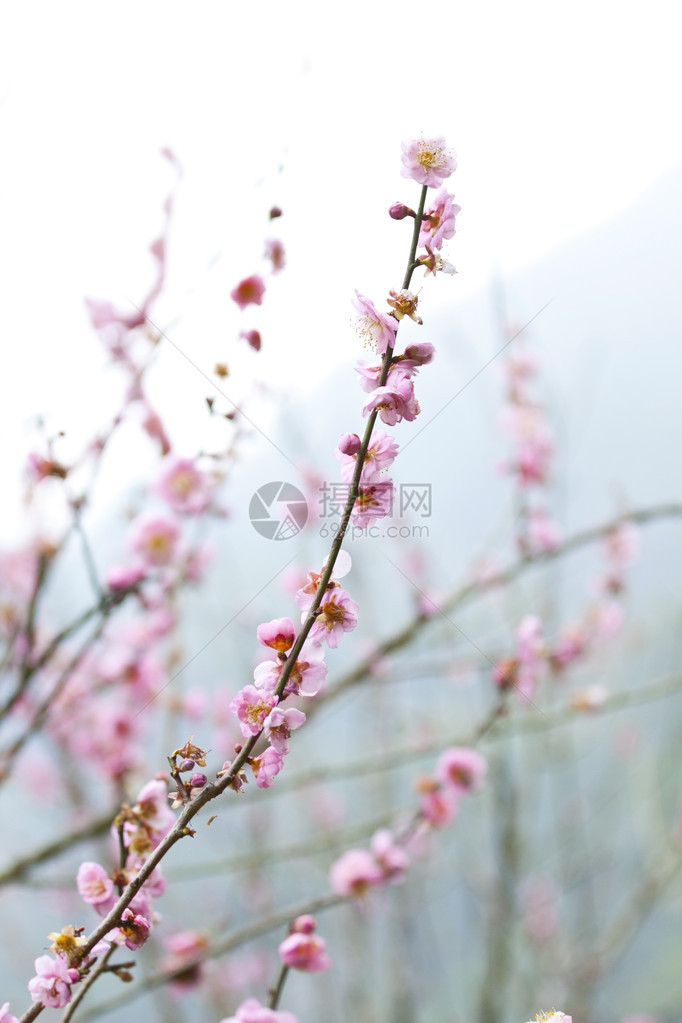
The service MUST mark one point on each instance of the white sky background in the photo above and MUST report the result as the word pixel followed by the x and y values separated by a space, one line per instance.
pixel 560 114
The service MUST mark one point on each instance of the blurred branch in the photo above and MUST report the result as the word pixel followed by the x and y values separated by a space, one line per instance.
pixel 478 587
pixel 217 949
pixel 94 829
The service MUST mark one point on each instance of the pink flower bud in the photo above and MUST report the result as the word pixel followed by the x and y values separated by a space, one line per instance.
pixel 398 211
pixel 304 924
pixel 349 444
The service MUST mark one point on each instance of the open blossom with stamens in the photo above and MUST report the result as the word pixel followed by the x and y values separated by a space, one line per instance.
pixel 133 932
pixel 434 263
pixel 337 614
pixel 266 766
pixel 278 634
pixel 427 161
pixel 251 706
pixel 374 501
pixel 52 985
pixel 279 724
pixel 404 303
pixel 439 221
pixel 306 594
pixel 395 402
pixel 96 887
pixel 307 676
pixel 552 1017
pixel 376 329
pixel 381 453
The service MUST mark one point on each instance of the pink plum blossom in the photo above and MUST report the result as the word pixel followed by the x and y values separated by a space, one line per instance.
pixel 155 539
pixel 133 932
pixel 391 858
pixel 414 357
pixel 394 402
pixel 369 376
pixel 427 161
pixel 439 220
pixel 337 614
pixel 278 634
pixel 95 887
pixel 5 1015
pixel 381 453
pixel 266 767
pixel 462 769
pixel 251 1011
pixel 52 985
pixel 251 706
pixel 300 951
pixel 152 806
pixel 307 676
pixel 355 872
pixel 184 486
pixel 279 724
pixel 439 805
pixel 249 291
pixel 186 948
pixel 376 329
pixel 374 501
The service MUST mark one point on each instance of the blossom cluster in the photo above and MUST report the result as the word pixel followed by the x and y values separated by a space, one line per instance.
pixel 303 949
pixel 459 772
pixel 524 420
pixel 139 830
pixel 535 655
pixel 258 707
pixel 96 714
pixel 250 290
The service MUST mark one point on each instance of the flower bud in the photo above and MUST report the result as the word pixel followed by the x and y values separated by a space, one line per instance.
pixel 198 780
pixel 304 924
pixel 398 211
pixel 349 444
pixel 186 765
